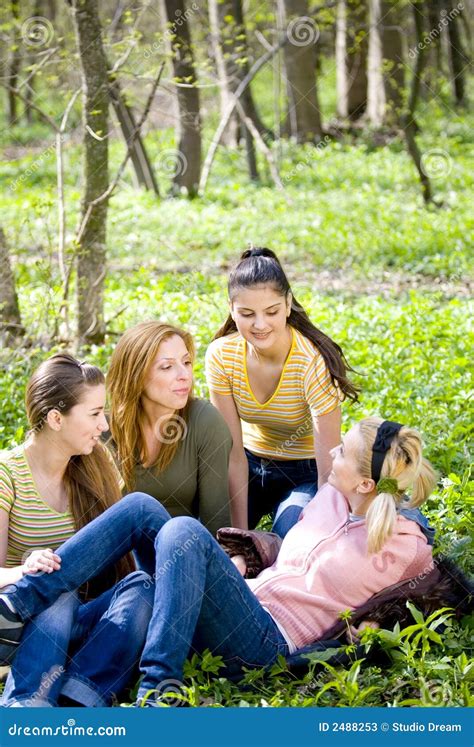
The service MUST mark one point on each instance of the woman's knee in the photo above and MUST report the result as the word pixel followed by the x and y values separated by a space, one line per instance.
pixel 181 530
pixel 137 583
pixel 146 504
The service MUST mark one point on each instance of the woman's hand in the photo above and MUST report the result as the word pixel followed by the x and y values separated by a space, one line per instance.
pixel 355 632
pixel 45 561
pixel 240 563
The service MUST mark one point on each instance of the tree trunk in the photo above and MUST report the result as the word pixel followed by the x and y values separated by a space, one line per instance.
pixel 410 126
pixel 376 91
pixel 304 116
pixel 10 319
pixel 15 62
pixel 142 168
pixel 91 254
pixel 352 39
pixel 434 51
pixel 393 67
pixel 232 54
pixel 188 162
pixel 459 60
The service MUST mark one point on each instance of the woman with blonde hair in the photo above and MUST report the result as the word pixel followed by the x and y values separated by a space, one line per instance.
pixel 351 542
pixel 167 443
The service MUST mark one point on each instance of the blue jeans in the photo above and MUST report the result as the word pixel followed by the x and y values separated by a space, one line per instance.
pixel 281 487
pixel 414 514
pixel 87 652
pixel 202 601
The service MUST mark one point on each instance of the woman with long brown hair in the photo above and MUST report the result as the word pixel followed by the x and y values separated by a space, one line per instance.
pixel 85 647
pixel 278 381
pixel 167 443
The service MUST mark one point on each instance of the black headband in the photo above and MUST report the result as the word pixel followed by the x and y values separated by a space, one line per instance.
pixel 386 432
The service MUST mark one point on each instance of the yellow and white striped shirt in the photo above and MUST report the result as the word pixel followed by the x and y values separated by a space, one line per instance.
pixel 33 524
pixel 281 427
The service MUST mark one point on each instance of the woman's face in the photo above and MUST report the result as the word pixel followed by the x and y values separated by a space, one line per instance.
pixel 170 377
pixel 80 428
pixel 260 314
pixel 345 474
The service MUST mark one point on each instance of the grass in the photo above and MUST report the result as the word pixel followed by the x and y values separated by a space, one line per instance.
pixel 384 276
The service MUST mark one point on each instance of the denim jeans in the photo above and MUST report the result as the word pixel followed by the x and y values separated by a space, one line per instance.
pixel 88 652
pixel 202 601
pixel 414 514
pixel 281 487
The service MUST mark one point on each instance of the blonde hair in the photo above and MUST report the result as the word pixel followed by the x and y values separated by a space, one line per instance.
pixel 404 462
pixel 131 361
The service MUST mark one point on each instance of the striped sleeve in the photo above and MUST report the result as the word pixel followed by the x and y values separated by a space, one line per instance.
pixel 7 493
pixel 319 391
pixel 216 377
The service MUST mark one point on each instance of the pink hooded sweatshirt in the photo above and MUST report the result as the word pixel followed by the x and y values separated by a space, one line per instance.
pixel 323 567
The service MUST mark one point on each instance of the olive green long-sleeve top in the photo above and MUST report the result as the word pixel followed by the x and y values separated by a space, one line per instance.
pixel 196 483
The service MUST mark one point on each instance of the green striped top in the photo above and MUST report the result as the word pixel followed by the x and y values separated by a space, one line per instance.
pixel 33 524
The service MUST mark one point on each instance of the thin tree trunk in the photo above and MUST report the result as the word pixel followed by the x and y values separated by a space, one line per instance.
pixel 188 164
pixel 351 57
pixel 410 126
pixel 10 319
pixel 458 57
pixel 304 114
pixel 232 54
pixel 15 62
pixel 30 86
pixel 142 168
pixel 393 67
pixel 91 255
pixel 376 91
pixel 434 51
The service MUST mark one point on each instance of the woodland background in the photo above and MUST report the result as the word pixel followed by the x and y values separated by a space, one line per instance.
pixel 146 144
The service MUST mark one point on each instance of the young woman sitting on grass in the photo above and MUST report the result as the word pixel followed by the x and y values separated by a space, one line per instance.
pixel 82 648
pixel 350 543
pixel 278 381
pixel 167 443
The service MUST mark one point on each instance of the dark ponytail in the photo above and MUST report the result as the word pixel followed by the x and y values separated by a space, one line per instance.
pixel 262 267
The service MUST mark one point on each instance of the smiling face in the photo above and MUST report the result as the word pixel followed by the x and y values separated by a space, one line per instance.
pixel 169 379
pixel 81 427
pixel 345 474
pixel 260 314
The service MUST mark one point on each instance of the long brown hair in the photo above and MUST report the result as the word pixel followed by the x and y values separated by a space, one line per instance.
pixel 91 480
pixel 131 361
pixel 261 266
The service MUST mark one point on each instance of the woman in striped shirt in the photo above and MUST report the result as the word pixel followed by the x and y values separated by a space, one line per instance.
pixel 85 647
pixel 278 381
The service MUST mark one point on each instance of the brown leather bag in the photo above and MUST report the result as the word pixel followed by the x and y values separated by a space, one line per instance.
pixel 260 549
